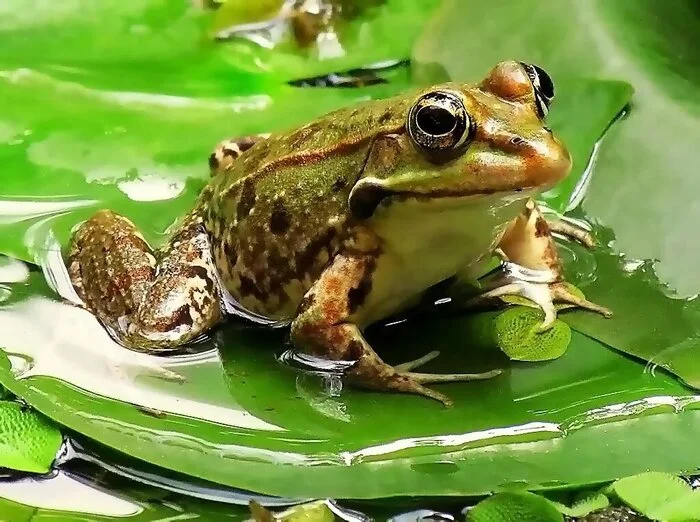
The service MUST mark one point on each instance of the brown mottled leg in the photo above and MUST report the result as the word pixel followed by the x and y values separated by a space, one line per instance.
pixel 325 327
pixel 146 303
pixel 228 151
pixel 533 267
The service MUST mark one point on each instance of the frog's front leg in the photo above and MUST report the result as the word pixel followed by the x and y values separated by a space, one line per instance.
pixel 533 268
pixel 229 150
pixel 328 325
pixel 147 300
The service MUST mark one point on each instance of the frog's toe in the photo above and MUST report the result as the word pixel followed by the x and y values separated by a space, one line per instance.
pixel 543 296
pixel 536 292
pixel 562 292
pixel 410 365
pixel 412 382
pixel 565 295
pixel 432 378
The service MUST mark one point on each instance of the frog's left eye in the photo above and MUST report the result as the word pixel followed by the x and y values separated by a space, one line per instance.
pixel 438 122
pixel 543 86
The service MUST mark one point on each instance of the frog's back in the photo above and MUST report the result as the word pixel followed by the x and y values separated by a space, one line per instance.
pixel 279 214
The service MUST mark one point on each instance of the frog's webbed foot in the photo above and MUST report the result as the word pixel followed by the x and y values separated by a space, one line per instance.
pixel 325 327
pixel 543 295
pixel 229 150
pixel 532 268
pixel 146 303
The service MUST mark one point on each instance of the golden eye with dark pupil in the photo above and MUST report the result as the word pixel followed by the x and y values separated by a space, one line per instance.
pixel 435 120
pixel 438 122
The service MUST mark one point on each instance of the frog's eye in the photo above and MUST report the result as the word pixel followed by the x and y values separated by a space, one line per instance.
pixel 543 86
pixel 438 122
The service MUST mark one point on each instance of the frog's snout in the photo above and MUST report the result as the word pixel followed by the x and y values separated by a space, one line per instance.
pixel 551 163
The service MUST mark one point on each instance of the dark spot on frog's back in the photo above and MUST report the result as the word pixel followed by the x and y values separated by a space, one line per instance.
pixel 306 258
pixel 246 200
pixel 248 287
pixel 279 218
pixel 339 184
pixel 230 252
pixel 385 117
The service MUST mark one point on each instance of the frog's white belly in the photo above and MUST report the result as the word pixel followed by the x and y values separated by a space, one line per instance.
pixel 426 242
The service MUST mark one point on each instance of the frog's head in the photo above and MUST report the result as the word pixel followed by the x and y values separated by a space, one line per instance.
pixel 460 140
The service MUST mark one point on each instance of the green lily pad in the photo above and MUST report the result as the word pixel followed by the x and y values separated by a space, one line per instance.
pixel 659 496
pixel 518 335
pixel 166 47
pixel 28 441
pixel 510 506
pixel 583 505
pixel 366 37
pixel 279 432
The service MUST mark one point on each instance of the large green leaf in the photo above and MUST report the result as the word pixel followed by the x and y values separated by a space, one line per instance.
pixel 645 185
pixel 167 47
pixel 245 421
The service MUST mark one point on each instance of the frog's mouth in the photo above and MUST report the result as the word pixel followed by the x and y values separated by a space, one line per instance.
pixel 367 195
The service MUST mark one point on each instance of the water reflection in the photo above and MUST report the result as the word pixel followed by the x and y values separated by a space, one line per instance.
pixel 13 270
pixel 48 338
pixel 63 492
pixel 24 209
pixel 72 453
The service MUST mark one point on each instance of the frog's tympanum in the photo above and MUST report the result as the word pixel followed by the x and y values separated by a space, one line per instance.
pixel 348 220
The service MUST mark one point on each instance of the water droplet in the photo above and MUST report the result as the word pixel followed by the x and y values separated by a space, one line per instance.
pixel 333 385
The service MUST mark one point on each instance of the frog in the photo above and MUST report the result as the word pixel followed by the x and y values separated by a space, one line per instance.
pixel 349 219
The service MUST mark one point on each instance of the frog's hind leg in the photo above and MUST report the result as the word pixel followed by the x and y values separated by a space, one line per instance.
pixel 533 267
pixel 149 301
pixel 326 326
pixel 229 150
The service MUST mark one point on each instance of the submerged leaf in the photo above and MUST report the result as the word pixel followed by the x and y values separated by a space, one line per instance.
pixel 28 441
pixel 510 506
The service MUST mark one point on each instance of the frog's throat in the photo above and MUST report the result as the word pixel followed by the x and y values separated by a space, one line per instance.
pixel 367 195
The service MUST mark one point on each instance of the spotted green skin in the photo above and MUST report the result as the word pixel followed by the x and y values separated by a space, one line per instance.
pixel 330 226
pixel 280 213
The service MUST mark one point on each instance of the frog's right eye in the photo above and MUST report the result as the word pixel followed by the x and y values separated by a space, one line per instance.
pixel 439 122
